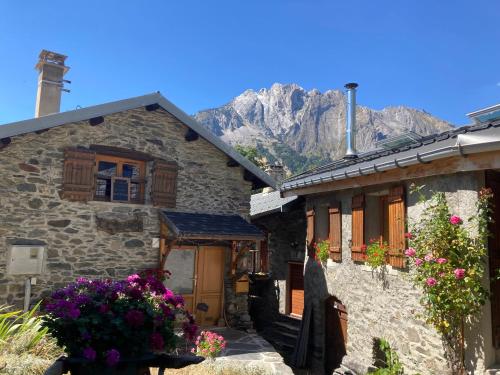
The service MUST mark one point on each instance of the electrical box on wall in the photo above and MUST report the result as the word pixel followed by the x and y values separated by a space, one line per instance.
pixel 25 260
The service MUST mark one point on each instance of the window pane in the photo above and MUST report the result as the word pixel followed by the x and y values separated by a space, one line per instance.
pixel 181 264
pixel 107 169
pixel 103 188
pixel 131 171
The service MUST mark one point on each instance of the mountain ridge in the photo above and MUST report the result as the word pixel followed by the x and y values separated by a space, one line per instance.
pixel 302 129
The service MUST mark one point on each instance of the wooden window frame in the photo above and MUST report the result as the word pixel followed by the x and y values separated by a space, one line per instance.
pixel 119 161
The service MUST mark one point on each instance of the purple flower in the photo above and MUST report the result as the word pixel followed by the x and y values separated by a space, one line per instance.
pixel 134 318
pixel 441 260
pixel 410 252
pixel 89 353
pixel 112 357
pixel 455 220
pixel 156 341
pixel 459 273
pixel 135 293
pixel 103 309
pixel 82 299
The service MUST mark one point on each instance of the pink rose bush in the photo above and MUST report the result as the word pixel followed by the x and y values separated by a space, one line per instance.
pixel 448 265
pixel 106 321
pixel 209 344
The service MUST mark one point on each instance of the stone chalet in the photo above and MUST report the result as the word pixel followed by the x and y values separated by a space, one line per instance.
pixel 352 200
pixel 118 188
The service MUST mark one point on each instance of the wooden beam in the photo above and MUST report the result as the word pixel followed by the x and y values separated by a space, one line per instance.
pixel 191 135
pixel 96 120
pixel 456 164
pixel 221 237
pixel 121 152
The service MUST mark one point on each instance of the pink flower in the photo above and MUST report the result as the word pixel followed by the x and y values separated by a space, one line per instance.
pixel 429 258
pixel 459 273
pixel 112 357
pixel 442 274
pixel 410 252
pixel 455 220
pixel 133 278
pixel 441 260
pixel 431 281
pixel 89 353
pixel 418 262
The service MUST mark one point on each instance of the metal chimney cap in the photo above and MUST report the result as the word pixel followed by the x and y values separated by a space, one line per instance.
pixel 351 85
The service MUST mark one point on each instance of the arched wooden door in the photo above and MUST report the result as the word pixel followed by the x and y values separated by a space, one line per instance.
pixel 335 333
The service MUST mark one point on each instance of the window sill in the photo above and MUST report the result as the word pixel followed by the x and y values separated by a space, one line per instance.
pixel 99 203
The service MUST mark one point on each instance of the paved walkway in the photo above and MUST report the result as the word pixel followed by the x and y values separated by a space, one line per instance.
pixel 251 349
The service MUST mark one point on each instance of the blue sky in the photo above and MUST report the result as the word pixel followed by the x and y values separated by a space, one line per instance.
pixel 441 56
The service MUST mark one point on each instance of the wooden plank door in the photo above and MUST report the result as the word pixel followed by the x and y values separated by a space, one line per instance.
pixel 296 288
pixel 493 182
pixel 209 282
pixel 335 333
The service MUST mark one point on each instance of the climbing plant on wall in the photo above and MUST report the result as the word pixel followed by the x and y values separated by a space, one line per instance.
pixel 449 262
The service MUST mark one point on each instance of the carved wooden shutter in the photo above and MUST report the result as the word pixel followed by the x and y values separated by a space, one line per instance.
pixel 78 175
pixel 358 230
pixel 397 242
pixel 335 232
pixel 164 186
pixel 310 232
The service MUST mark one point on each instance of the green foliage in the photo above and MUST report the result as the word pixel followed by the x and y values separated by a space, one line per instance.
pixel 449 265
pixel 251 154
pixel 390 363
pixel 25 347
pixel 376 254
pixel 322 250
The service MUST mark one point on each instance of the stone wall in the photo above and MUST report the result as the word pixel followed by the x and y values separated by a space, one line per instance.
pixel 286 238
pixel 79 239
pixel 389 311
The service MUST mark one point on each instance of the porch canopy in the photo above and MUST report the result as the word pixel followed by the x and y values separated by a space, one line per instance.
pixel 201 226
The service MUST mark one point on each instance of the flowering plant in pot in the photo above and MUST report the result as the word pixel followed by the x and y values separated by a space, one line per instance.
pixel 376 253
pixel 108 323
pixel 209 344
pixel 322 251
pixel 449 265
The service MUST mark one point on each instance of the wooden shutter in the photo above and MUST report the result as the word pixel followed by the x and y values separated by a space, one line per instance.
pixel 78 175
pixel 358 230
pixel 397 242
pixel 335 232
pixel 164 186
pixel 310 232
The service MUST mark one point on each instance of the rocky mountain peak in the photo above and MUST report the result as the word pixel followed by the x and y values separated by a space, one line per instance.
pixel 302 128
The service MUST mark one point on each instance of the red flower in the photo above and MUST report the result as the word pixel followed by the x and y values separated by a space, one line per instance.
pixel 363 247
pixel 408 235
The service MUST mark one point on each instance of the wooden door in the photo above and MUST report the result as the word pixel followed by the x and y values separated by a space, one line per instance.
pixel 335 333
pixel 493 182
pixel 209 281
pixel 296 288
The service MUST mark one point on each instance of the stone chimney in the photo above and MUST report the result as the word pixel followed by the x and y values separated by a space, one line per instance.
pixel 277 172
pixel 51 70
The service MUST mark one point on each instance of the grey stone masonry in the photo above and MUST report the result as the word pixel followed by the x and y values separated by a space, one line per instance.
pixel 391 311
pixel 103 239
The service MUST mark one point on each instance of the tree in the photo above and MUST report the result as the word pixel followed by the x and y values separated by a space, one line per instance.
pixel 251 154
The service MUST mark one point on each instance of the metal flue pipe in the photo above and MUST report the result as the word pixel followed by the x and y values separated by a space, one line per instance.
pixel 351 121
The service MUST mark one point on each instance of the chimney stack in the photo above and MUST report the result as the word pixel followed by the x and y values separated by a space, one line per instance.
pixel 277 172
pixel 51 70
pixel 351 122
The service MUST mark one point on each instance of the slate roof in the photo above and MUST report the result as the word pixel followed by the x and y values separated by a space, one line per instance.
pixel 428 148
pixel 87 113
pixel 268 203
pixel 207 226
